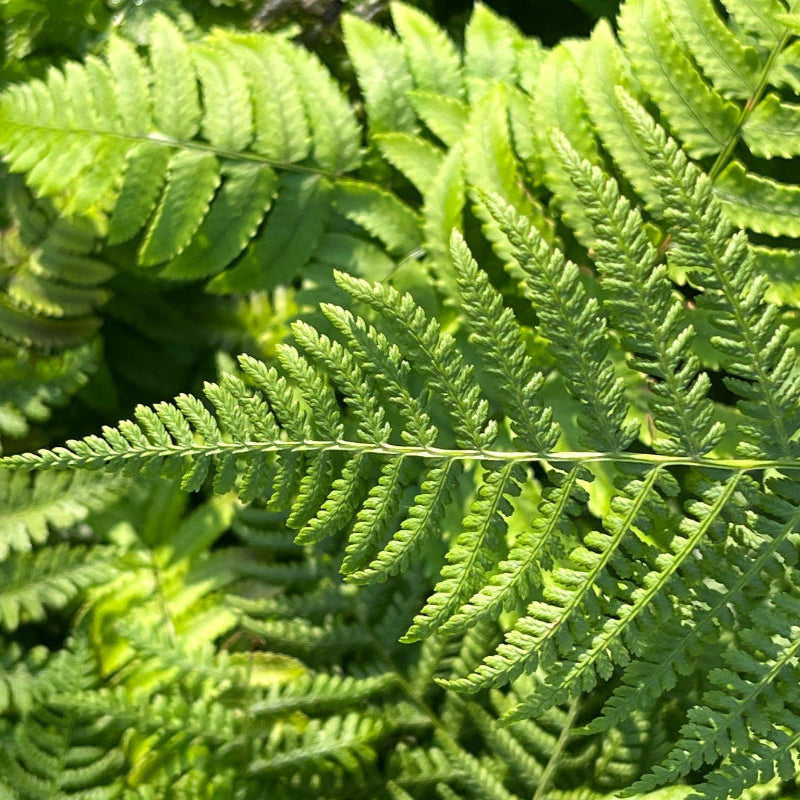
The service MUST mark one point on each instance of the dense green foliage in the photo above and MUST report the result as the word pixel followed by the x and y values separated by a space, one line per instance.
pixel 481 474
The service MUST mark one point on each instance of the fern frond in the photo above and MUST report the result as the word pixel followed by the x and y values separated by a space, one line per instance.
pixel 750 715
pixel 413 767
pixel 169 716
pixel 61 755
pixel 531 554
pixel 436 354
pixel 49 579
pixel 550 623
pixel 171 148
pixel 339 741
pixel 24 677
pixel 505 745
pixel 51 279
pixel 732 65
pixel 388 442
pixel 321 693
pixel 29 509
pixel 31 386
pixel 701 117
pixel 673 643
pixel 496 332
pixel 414 532
pixel 719 86
pixel 472 555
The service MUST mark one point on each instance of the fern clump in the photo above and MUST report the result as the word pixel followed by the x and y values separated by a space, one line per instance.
pixel 498 499
pixel 589 600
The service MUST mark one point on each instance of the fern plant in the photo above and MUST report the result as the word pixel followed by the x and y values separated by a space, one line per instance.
pixel 512 509
pixel 724 84
pixel 307 687
pixel 639 589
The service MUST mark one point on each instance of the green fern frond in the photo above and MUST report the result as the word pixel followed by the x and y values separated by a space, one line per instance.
pixel 63 754
pixel 645 312
pixel 573 326
pixel 339 741
pixel 51 280
pixel 24 677
pixel 719 82
pixel 173 147
pixel 32 386
pixel 49 579
pixel 748 718
pixel 29 510
pixel 615 581
pixel 561 495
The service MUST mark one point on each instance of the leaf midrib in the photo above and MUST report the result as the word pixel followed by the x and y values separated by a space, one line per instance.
pixel 94 460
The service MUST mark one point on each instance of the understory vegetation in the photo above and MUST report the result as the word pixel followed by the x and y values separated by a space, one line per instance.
pixel 399 400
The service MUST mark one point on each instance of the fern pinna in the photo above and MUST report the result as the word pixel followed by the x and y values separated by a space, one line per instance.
pixel 622 571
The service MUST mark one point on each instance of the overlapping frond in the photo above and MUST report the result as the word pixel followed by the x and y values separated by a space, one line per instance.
pixel 51 279
pixel 207 152
pixel 30 509
pixel 32 386
pixel 49 579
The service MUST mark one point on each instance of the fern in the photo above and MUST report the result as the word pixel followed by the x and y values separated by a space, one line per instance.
pixel 49 579
pixel 719 83
pixel 57 500
pixel 31 386
pixel 52 281
pixel 504 506
pixel 222 703
pixel 596 593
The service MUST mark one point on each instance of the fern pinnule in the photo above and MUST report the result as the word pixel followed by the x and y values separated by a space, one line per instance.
pixel 24 677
